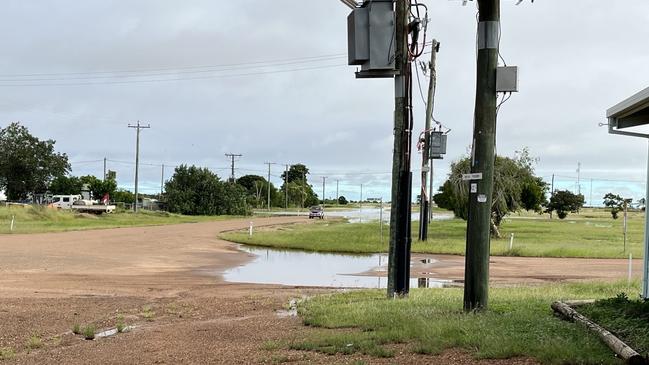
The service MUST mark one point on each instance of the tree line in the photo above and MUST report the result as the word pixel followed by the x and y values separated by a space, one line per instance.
pixel 29 166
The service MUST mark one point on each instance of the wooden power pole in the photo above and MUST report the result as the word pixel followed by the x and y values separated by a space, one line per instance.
pixel 138 127
pixel 476 273
pixel 424 201
pixel 400 239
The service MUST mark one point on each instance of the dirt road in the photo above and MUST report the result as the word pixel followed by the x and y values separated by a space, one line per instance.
pixel 162 281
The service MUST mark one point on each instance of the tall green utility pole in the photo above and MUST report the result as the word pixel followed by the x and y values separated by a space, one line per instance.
pixel 476 273
pixel 400 240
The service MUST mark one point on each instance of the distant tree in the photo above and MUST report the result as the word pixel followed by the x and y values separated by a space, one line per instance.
pixel 66 185
pixel 615 203
pixel 342 200
pixel 98 187
pixel 123 196
pixel 198 191
pixel 515 187
pixel 300 193
pixel 27 164
pixel 297 172
pixel 564 202
pixel 257 189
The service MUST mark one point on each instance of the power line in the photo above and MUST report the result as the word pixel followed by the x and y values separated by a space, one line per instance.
pixel 169 79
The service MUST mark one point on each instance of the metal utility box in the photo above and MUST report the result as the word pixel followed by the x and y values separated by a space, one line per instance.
pixel 507 79
pixel 437 145
pixel 371 38
pixel 358 36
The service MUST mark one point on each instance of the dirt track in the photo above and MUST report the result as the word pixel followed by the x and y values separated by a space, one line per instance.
pixel 49 282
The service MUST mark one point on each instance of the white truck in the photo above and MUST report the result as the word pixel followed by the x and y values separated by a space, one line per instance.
pixel 78 204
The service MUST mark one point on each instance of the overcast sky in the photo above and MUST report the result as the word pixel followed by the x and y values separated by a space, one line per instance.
pixel 277 88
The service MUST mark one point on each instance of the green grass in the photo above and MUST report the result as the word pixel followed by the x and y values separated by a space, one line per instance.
pixel 592 234
pixel 7 353
pixel 36 219
pixel 627 319
pixel 519 322
pixel 88 332
pixel 76 329
pixel 34 342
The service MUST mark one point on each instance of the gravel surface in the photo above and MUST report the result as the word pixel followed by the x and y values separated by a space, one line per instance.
pixel 164 281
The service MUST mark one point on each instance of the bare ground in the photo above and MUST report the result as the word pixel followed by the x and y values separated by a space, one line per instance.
pixel 164 281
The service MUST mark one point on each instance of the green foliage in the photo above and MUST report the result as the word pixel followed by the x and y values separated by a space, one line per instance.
pixel 76 329
pixel 7 353
pixel 342 200
pixel 615 203
pixel 66 185
pixel 628 319
pixel 27 164
pixel 518 323
pixel 297 172
pixel 123 196
pixel 564 202
pixel 515 187
pixel 257 191
pixel 198 191
pixel 34 342
pixel 88 332
pixel 99 187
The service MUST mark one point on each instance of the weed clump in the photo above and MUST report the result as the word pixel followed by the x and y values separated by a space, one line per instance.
pixel 120 325
pixel 89 332
pixel 7 353
pixel 34 342
pixel 76 329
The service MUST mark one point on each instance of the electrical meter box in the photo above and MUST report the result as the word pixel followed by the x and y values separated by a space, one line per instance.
pixel 507 79
pixel 370 38
pixel 437 145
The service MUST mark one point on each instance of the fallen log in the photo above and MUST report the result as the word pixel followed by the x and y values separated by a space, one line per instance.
pixel 618 346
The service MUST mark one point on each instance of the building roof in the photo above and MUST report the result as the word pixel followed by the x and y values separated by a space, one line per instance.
pixel 631 112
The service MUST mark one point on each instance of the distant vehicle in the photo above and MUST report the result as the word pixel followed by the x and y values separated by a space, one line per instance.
pixel 64 201
pixel 78 204
pixel 316 211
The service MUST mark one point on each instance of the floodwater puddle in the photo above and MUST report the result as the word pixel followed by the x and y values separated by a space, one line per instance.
pixel 299 268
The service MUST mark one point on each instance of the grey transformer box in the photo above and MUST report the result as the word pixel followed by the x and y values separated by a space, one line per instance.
pixel 437 145
pixel 371 38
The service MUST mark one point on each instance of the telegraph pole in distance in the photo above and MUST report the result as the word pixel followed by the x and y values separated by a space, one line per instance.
pixel 476 273
pixel 424 204
pixel 232 156
pixel 286 188
pixel 324 179
pixel 162 180
pixel 104 168
pixel 400 240
pixel 138 127
pixel 337 196
pixel 269 163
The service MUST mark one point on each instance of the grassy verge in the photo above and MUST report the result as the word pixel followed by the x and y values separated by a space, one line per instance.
pixel 40 219
pixel 628 319
pixel 591 234
pixel 519 323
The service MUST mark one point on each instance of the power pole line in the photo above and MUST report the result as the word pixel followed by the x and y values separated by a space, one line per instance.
pixel 286 187
pixel 324 179
pixel 104 168
pixel 269 163
pixel 138 127
pixel 232 156
pixel 162 180
pixel 578 177
pixel 337 195
pixel 424 204
pixel 400 240
pixel 476 273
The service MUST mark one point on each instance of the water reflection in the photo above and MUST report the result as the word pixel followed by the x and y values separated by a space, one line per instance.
pixel 318 269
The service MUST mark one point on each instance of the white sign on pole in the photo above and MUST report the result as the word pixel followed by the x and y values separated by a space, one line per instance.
pixel 474 176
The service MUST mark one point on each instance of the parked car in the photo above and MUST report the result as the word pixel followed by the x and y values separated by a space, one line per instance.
pixel 316 211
